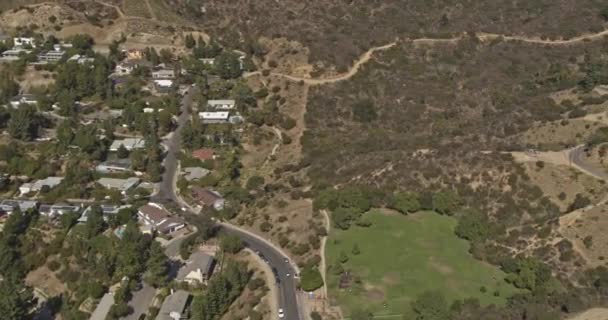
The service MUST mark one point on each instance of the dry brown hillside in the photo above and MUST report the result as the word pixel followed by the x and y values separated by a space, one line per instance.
pixel 337 31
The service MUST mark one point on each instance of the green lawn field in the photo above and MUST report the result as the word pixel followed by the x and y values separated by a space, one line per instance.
pixel 403 256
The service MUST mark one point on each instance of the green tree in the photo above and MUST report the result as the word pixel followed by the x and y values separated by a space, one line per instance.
pixel 65 134
pixel 311 279
pixel 255 182
pixel 604 13
pixel 231 244
pixel 95 223
pixel 431 305
pixel 16 300
pixel 364 111
pixel 189 41
pixel 82 43
pixel 405 202
pixel 157 266
pixel 122 152
pixel 228 66
pixel 446 202
pixel 24 123
pixel 8 86
pixel 473 226
pixel 66 103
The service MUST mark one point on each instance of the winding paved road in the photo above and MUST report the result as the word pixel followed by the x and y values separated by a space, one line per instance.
pixel 277 260
pixel 577 157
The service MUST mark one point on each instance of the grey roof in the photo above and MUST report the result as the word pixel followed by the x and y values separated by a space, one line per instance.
pixel 103 307
pixel 173 303
pixel 23 205
pixel 107 210
pixel 118 164
pixel 128 143
pixel 53 209
pixel 193 173
pixel 118 184
pixel 197 260
pixel 221 104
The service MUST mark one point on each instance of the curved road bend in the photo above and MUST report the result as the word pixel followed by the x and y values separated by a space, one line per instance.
pixel 166 194
pixel 577 157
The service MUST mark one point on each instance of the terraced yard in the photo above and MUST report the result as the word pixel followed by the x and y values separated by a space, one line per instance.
pixel 403 256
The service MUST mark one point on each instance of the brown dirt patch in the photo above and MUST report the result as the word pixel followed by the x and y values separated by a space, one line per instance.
pixel 45 280
pixel 375 294
pixel 392 278
pixel 592 314
pixel 591 223
pixel 32 79
pixel 440 267
pixel 290 57
pixel 553 180
pixel 555 135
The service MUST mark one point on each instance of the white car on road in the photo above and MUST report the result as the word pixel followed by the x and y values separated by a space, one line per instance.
pixel 281 314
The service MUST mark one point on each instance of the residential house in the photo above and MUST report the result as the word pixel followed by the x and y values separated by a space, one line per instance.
pixel 128 143
pixel 13 54
pixel 23 99
pixel 195 173
pixel 122 185
pixel 36 186
pixel 54 210
pixel 124 68
pixel 155 215
pixel 151 110
pixel 174 306
pixel 106 209
pixel 214 117
pixel 52 56
pixel 80 59
pixel 203 154
pixel 221 104
pixel 207 61
pixel 114 166
pixel 163 74
pixel 24 41
pixel 135 54
pixel 208 198
pixel 103 307
pixel 197 270
pixel 8 206
pixel 163 85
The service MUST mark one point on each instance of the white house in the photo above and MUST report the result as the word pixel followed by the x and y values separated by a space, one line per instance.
pixel 13 54
pixel 122 69
pixel 52 56
pixel 23 99
pixel 24 41
pixel 156 216
pixel 163 84
pixel 52 211
pixel 163 74
pixel 208 61
pixel 214 117
pixel 128 143
pixel 122 185
pixel 221 104
pixel 81 59
pixel 36 186
pixel 197 270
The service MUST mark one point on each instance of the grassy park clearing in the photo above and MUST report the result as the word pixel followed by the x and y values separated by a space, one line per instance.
pixel 402 256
